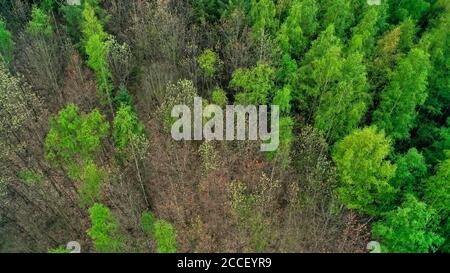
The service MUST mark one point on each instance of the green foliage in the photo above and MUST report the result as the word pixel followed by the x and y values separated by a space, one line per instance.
pixel 406 91
pixel 256 84
pixel 209 10
pixel 321 64
pixel 165 236
pixel 209 62
pixel 364 33
pixel 7 44
pixel 437 195
pixel 283 99
pixel 59 250
pixel 96 48
pixel 411 169
pixel 290 36
pixel 30 177
pixel 410 228
pixel 92 178
pixel 105 230
pixel 219 97
pixel 126 126
pixel 40 23
pixel 48 5
pixel 148 221
pixel 404 9
pixel 73 17
pixel 262 14
pixel 340 13
pixel 75 138
pixel 334 88
pixel 123 97
pixel 364 171
pixel 342 107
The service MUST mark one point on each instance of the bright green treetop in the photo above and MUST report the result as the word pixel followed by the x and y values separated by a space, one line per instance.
pixel 410 228
pixel 74 138
pixel 40 23
pixel 407 90
pixel 256 84
pixel 364 171
pixel 105 230
pixel 166 237
pixel 126 126
pixel 7 44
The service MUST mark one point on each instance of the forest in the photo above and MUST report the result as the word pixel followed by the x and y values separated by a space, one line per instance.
pixel 86 154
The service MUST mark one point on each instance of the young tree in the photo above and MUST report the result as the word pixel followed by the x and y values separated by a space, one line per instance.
pixel 411 169
pixel 437 194
pixel 40 23
pixel 341 108
pixel 129 138
pixel 105 230
pixel 256 84
pixel 209 62
pixel 7 44
pixel 334 87
pixel 364 171
pixel 262 15
pixel 126 127
pixel 290 36
pixel 148 221
pixel 364 33
pixel 415 9
pixel 321 66
pixel 165 236
pixel 96 47
pixel 407 90
pixel 410 228
pixel 340 13
pixel 93 178
pixel 75 138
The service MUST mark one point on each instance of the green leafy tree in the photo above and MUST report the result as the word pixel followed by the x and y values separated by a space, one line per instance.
pixel 93 178
pixel 256 84
pixel 340 13
pixel 407 91
pixel 96 47
pixel 342 107
pixel 364 171
pixel 219 97
pixel 404 9
pixel 411 169
pixel 105 230
pixel 7 44
pixel 148 221
pixel 75 138
pixel 364 33
pixel 40 23
pixel 73 17
pixel 334 88
pixel 165 236
pixel 126 126
pixel 290 36
pixel 262 15
pixel 129 138
pixel 321 65
pixel 209 62
pixel 410 228
pixel 437 194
